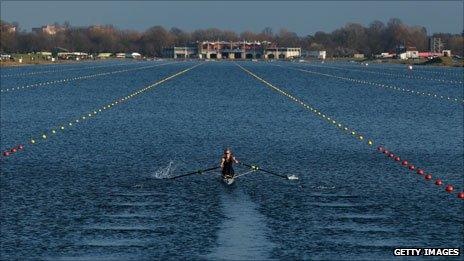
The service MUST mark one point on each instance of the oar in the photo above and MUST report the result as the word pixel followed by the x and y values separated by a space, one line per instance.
pixel 263 170
pixel 195 172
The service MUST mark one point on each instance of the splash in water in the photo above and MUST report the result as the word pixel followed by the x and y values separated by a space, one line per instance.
pixel 165 172
pixel 293 177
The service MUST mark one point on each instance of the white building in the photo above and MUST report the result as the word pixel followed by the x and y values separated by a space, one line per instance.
pixel 48 29
pixel 282 53
pixel 447 53
pixel 232 50
pixel 318 54
pixel 181 52
pixel 385 55
pixel 104 55
pixel 409 55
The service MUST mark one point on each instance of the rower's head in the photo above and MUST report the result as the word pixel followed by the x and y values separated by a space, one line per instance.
pixel 227 152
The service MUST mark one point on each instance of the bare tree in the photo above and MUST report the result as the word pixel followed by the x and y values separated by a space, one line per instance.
pixel 349 39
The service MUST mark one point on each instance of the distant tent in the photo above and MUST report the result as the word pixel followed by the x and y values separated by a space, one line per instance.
pixel 57 50
pixel 136 55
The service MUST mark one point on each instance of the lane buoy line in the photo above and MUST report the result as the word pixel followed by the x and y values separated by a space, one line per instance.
pixel 391 74
pixel 342 127
pixel 383 86
pixel 91 114
pixel 84 77
pixel 414 169
pixel 69 69
pixel 417 69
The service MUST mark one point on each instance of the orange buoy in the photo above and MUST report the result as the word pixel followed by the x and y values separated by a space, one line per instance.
pixel 428 177
pixel 13 150
pixel 461 195
pixel 420 172
pixel 404 163
pixel 412 167
pixel 397 158
pixel 438 182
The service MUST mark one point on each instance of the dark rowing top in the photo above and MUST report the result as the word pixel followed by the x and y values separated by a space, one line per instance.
pixel 227 169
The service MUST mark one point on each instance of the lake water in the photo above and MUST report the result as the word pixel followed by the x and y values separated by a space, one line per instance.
pixel 92 190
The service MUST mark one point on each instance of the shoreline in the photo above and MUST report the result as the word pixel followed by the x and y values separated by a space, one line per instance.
pixel 421 62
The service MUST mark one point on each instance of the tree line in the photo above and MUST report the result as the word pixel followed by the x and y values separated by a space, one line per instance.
pixel 352 38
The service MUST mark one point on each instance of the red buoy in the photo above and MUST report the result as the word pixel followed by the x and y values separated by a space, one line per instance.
pixel 412 167
pixel 420 172
pixel 380 148
pixel 386 152
pixel 404 163
pixel 428 177
pixel 461 195
pixel 449 188
pixel 391 155
pixel 6 153
pixel 20 147
pixel 397 158
pixel 438 182
pixel 13 150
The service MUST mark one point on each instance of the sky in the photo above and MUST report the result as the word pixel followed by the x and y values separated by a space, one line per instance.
pixel 302 17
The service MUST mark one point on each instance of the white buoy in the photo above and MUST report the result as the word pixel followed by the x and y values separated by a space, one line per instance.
pixel 410 67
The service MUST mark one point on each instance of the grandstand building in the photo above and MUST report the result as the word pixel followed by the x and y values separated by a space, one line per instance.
pixel 232 50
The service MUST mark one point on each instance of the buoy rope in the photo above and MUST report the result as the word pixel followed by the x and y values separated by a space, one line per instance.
pixel 427 176
pixel 83 77
pixel 330 120
pixel 70 69
pixel 390 74
pixel 62 127
pixel 417 69
pixel 383 86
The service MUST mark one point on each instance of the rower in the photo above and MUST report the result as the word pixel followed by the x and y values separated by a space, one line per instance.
pixel 227 161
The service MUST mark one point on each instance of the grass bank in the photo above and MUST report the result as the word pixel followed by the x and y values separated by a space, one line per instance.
pixel 31 59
